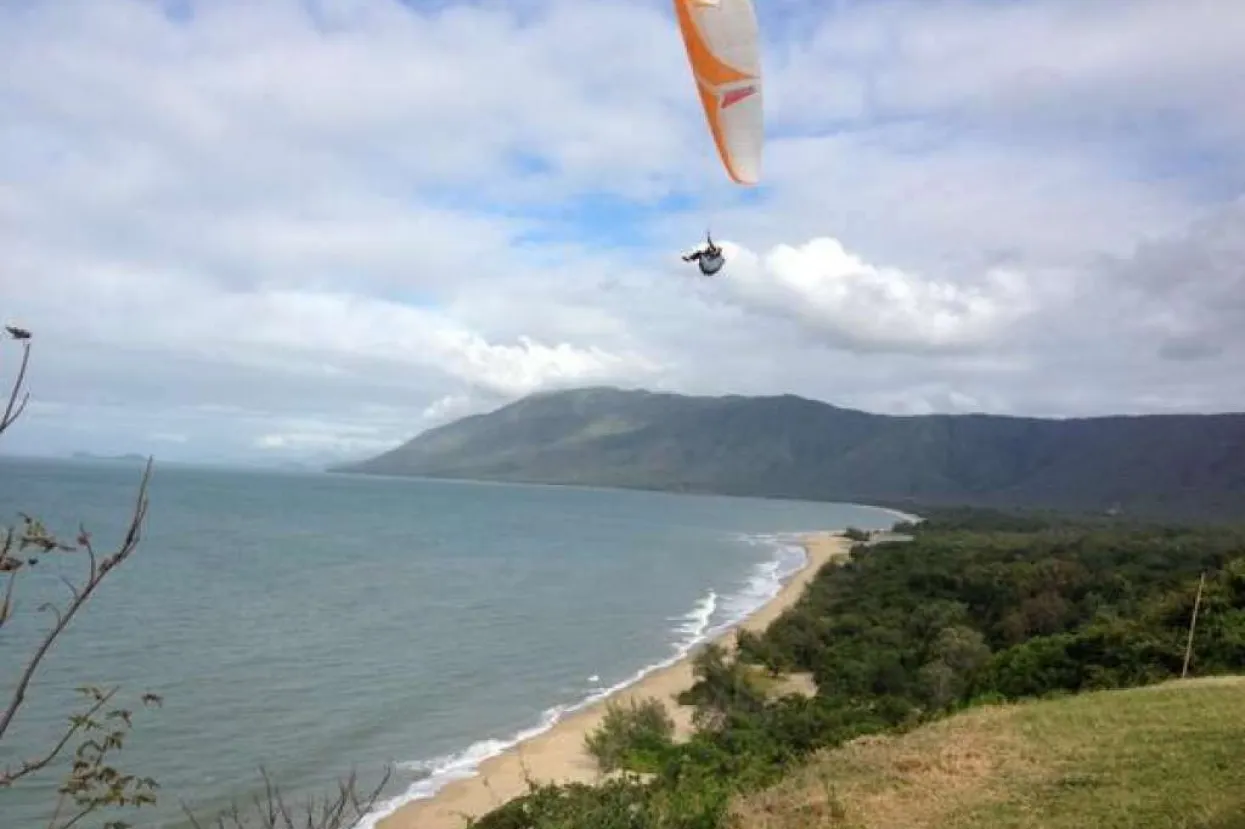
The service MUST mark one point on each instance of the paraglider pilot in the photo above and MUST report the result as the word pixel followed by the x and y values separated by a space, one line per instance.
pixel 709 258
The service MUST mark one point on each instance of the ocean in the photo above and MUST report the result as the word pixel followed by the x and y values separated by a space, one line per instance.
pixel 314 624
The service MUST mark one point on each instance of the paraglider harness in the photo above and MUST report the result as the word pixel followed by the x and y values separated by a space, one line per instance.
pixel 710 259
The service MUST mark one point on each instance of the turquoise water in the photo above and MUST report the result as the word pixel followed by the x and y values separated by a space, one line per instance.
pixel 317 623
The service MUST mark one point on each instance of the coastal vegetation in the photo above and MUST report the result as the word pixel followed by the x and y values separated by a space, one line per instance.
pixel 634 737
pixel 976 611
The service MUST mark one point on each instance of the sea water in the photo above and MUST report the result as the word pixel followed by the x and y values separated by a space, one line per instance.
pixel 317 624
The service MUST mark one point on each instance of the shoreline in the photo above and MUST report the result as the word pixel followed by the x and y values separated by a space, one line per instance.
pixel 558 755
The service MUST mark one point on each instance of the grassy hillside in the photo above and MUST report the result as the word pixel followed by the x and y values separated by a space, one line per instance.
pixel 1183 467
pixel 1170 755
pixel 975 608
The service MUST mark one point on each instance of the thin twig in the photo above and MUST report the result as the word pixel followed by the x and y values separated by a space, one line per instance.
pixel 7 778
pixel 131 542
pixel 10 414
pixel 90 770
pixel 6 606
pixel 271 811
pixel 86 810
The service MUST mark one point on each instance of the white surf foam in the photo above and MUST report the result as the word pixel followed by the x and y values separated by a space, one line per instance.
pixel 706 620
pixel 766 580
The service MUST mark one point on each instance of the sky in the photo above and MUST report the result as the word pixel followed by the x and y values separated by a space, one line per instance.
pixel 283 229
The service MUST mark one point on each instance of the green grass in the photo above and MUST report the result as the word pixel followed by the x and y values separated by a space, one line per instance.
pixel 1165 756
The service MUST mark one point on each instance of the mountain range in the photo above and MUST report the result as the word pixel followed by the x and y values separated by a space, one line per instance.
pixel 1169 467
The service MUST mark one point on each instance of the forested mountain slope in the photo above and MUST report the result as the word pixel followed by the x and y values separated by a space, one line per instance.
pixel 1171 466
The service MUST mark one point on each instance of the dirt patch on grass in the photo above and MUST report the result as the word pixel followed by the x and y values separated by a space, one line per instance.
pixel 800 683
pixel 1170 755
pixel 905 782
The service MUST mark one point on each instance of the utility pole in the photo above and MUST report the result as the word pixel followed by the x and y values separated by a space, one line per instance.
pixel 1197 603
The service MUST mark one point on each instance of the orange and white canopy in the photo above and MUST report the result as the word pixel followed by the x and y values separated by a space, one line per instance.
pixel 722 46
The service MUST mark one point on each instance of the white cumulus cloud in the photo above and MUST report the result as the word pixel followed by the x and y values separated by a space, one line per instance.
pixel 848 301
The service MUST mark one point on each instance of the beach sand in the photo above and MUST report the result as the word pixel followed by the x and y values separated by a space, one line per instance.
pixel 558 755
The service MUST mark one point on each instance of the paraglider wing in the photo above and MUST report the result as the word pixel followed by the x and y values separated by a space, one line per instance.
pixel 721 38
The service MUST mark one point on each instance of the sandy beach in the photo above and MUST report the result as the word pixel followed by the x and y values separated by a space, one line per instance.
pixel 558 755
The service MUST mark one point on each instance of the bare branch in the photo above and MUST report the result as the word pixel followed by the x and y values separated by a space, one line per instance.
pixel 76 724
pixel 132 536
pixel 60 804
pixel 92 784
pixel 6 604
pixel 13 409
pixel 84 541
pixel 272 811
pixel 83 812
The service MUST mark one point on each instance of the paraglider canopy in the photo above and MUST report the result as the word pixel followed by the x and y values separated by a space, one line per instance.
pixel 723 50
pixel 722 42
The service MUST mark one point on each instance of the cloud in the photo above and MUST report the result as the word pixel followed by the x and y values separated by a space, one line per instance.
pixel 331 438
pixel 851 303
pixel 448 408
pixel 168 437
pixel 1186 292
pixel 314 228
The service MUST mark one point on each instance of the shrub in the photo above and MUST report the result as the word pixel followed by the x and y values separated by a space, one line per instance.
pixel 636 737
